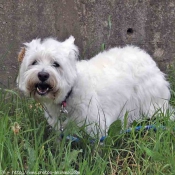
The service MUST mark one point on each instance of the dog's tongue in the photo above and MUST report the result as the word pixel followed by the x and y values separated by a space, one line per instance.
pixel 42 88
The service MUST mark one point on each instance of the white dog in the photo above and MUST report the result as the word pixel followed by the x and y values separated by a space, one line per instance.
pixel 98 91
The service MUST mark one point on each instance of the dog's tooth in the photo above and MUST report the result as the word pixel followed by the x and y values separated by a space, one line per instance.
pixel 39 90
pixel 42 92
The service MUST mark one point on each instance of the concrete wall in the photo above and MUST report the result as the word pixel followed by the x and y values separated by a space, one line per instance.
pixel 149 24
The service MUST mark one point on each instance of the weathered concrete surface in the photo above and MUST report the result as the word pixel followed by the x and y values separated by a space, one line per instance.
pixel 94 23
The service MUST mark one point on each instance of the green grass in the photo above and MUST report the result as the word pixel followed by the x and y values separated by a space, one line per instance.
pixel 37 148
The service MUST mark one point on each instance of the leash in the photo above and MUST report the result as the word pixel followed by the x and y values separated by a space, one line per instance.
pixel 136 129
pixel 147 127
pixel 63 112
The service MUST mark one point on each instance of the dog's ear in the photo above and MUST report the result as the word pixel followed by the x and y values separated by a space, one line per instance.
pixel 70 40
pixel 74 52
pixel 21 54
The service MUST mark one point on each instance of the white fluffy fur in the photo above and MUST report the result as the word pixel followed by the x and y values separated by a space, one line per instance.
pixel 104 88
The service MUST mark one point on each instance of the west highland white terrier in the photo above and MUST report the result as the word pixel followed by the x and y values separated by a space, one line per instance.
pixel 97 91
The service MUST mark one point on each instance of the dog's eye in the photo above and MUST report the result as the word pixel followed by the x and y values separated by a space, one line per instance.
pixel 34 63
pixel 55 64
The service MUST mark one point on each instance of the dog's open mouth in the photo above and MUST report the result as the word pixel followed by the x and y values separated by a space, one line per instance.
pixel 42 88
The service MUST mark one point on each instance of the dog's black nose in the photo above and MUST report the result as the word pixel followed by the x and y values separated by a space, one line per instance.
pixel 43 76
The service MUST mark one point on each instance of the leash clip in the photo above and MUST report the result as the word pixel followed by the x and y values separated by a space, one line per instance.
pixel 63 111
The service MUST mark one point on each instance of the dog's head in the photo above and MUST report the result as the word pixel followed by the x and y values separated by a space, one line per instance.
pixel 48 68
